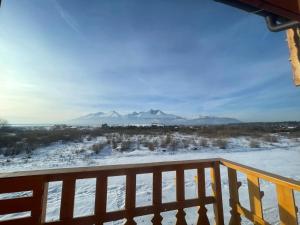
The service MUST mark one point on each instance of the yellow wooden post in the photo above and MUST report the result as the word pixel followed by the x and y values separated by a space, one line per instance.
pixel 217 193
pixel 234 197
pixel 255 197
pixel 287 207
pixel 293 39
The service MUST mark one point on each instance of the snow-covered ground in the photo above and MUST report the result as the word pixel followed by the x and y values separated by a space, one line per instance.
pixel 281 158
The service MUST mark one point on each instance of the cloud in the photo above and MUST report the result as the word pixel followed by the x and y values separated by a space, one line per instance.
pixel 70 21
pixel 136 56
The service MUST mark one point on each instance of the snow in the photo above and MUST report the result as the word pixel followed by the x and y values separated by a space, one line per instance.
pixel 280 158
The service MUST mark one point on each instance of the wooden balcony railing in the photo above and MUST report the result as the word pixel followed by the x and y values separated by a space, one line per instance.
pixel 37 183
pixel 284 188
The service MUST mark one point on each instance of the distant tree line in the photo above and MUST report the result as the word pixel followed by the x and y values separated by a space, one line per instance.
pixel 14 140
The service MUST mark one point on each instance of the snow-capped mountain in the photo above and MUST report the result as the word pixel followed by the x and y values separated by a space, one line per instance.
pixel 202 120
pixel 152 114
pixel 147 118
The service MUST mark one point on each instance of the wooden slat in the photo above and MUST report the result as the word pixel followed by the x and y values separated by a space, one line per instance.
pixel 217 193
pixel 255 197
pixel 101 199
pixel 15 205
pixel 40 195
pixel 157 197
pixel 202 219
pixel 20 221
pixel 67 200
pixel 286 205
pixel 251 216
pixel 44 202
pixel 10 185
pixel 130 198
pixel 180 196
pixel 86 220
pixel 233 197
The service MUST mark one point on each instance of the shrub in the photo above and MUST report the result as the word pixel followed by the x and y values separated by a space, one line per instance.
pixel 98 147
pixel 173 145
pixel 151 146
pixel 89 138
pixel 186 143
pixel 114 143
pixel 125 145
pixel 204 142
pixel 166 142
pixel 254 144
pixel 270 138
pixel 220 143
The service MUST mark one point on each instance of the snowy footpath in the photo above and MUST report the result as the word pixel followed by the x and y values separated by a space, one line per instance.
pixel 282 158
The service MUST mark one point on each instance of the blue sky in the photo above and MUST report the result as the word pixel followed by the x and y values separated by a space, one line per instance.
pixel 60 59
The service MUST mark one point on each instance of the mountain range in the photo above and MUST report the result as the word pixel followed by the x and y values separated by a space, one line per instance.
pixel 148 118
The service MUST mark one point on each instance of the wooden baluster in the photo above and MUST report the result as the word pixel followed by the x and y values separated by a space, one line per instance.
pixel 67 201
pixel 255 197
pixel 180 196
pixel 157 196
pixel 202 219
pixel 40 194
pixel 100 199
pixel 234 197
pixel 287 207
pixel 217 193
pixel 130 198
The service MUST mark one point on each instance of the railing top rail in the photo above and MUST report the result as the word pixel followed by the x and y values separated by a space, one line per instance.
pixel 270 177
pixel 111 170
pixel 137 168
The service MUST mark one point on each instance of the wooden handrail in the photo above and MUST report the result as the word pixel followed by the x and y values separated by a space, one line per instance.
pixel 37 183
pixel 270 177
pixel 113 169
pixel 285 188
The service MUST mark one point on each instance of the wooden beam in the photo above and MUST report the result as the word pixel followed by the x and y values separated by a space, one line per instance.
pixel 255 197
pixel 234 197
pixel 217 193
pixel 293 39
pixel 287 207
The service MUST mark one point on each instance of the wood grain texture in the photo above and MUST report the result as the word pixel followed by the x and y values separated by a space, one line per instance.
pixel 100 199
pixel 157 197
pixel 293 39
pixel 180 196
pixel 235 218
pixel 202 219
pixel 67 200
pixel 286 206
pixel 37 183
pixel 130 198
pixel 270 177
pixel 255 197
pixel 217 193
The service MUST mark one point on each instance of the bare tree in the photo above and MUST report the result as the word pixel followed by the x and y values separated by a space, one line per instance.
pixel 3 123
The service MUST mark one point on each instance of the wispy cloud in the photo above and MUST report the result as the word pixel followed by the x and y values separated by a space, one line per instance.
pixel 65 15
pixel 136 56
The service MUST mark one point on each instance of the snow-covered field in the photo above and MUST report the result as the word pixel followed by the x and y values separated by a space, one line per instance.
pixel 281 158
